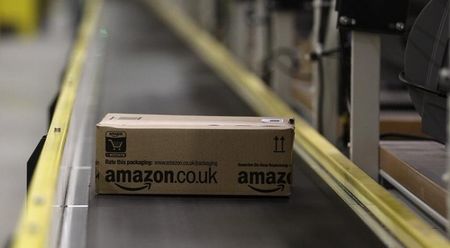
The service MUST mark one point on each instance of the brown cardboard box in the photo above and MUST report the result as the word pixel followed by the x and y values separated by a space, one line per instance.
pixel 161 154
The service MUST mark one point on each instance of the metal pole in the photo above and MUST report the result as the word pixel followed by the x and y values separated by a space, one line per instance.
pixel 365 103
pixel 330 111
pixel 283 26
pixel 317 46
pixel 447 174
pixel 237 35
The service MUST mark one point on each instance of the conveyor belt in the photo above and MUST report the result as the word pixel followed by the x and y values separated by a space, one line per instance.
pixel 149 70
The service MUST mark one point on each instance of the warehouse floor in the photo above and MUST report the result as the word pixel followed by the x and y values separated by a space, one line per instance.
pixel 29 76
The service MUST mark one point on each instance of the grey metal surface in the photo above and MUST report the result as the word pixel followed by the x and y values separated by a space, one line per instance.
pixel 431 213
pixel 148 70
pixel 72 195
pixel 365 102
pixel 75 234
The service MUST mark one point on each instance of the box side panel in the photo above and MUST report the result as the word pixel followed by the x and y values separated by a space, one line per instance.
pixel 186 161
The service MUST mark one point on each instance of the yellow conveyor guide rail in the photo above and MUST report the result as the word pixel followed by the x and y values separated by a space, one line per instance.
pixel 331 165
pixel 35 222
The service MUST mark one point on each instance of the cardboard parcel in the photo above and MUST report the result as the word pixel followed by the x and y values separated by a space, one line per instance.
pixel 210 155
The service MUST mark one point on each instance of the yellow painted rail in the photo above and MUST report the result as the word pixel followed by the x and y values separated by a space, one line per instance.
pixel 398 220
pixel 35 222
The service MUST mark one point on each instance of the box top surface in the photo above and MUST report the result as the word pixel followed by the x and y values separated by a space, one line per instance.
pixel 117 120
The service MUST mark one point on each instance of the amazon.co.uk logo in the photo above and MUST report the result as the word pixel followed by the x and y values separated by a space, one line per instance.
pixel 115 144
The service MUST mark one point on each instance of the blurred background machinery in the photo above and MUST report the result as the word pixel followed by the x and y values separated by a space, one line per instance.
pixel 360 73
pixel 22 16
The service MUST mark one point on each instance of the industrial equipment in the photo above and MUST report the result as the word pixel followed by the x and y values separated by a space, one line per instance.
pixel 425 56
